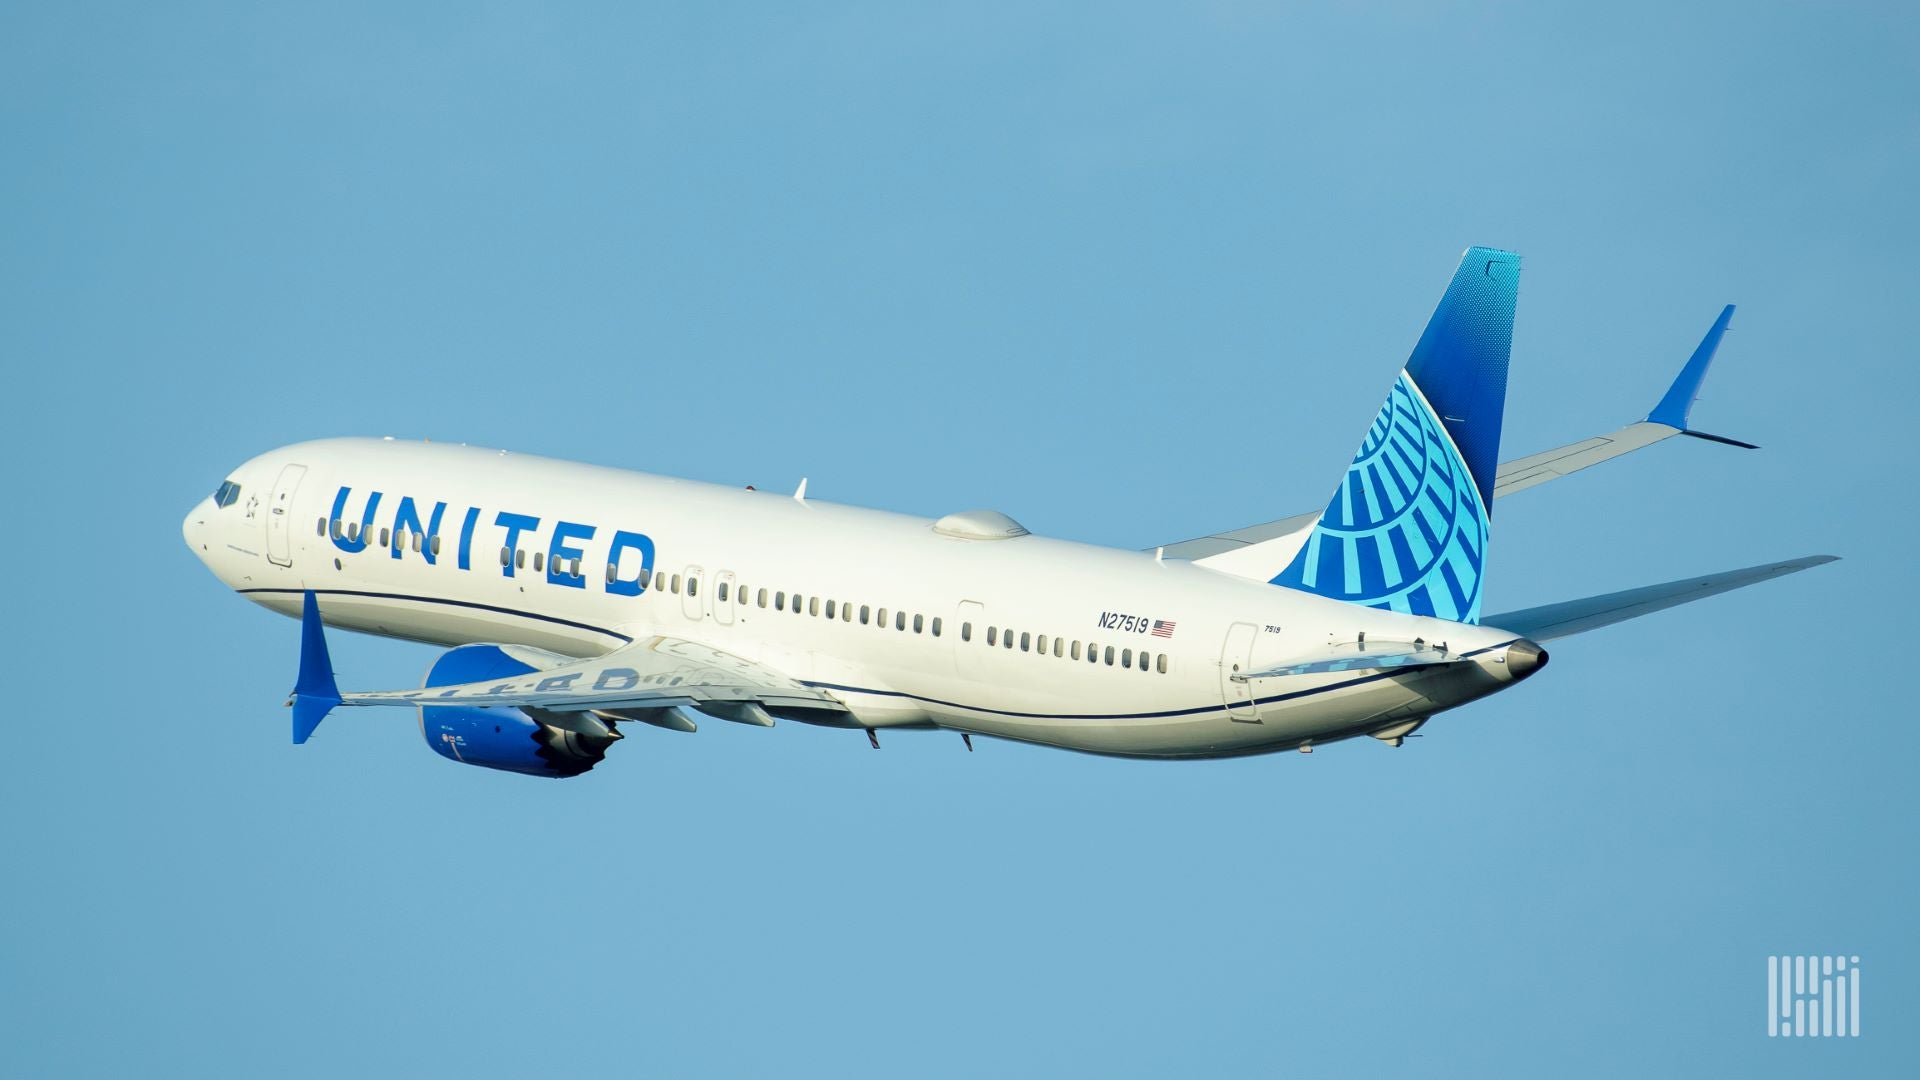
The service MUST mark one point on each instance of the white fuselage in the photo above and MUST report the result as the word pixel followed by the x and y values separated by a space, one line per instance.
pixel 1138 653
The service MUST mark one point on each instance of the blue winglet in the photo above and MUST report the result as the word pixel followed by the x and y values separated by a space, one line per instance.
pixel 314 691
pixel 1677 406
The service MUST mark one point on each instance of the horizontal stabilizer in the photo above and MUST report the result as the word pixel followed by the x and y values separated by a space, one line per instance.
pixel 1357 656
pixel 1579 616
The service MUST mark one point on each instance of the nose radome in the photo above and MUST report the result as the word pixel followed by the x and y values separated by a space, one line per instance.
pixel 193 528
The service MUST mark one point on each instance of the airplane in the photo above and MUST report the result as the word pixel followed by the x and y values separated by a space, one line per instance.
pixel 576 601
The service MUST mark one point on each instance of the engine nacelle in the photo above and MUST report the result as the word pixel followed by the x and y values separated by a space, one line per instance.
pixel 504 737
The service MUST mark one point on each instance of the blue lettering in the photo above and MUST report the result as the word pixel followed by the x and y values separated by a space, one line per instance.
pixel 622 543
pixel 558 549
pixel 407 519
pixel 627 677
pixel 359 541
pixel 515 524
pixel 466 537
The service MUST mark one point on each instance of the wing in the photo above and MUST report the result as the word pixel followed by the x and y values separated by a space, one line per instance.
pixel 651 674
pixel 1669 418
pixel 1579 616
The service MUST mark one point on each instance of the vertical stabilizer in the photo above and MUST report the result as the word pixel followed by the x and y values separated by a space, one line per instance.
pixel 1407 529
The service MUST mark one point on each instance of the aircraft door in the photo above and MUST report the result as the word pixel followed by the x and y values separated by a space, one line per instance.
pixel 280 515
pixel 969 623
pixel 724 598
pixel 1236 658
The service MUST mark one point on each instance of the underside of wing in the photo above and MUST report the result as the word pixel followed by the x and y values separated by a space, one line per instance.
pixel 649 680
pixel 1590 613
pixel 651 673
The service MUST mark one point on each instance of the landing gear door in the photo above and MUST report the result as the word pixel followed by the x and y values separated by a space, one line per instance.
pixel 1236 659
pixel 280 515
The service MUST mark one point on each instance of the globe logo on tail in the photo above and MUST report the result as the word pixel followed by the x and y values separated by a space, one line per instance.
pixel 1407 530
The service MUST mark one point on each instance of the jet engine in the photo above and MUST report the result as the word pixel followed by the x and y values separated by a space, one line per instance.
pixel 531 741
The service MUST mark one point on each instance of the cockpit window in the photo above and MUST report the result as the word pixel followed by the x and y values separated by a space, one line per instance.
pixel 226 494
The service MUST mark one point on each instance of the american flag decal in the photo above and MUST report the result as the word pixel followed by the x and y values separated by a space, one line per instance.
pixel 1162 628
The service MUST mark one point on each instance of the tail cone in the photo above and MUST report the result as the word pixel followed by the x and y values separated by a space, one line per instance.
pixel 1524 658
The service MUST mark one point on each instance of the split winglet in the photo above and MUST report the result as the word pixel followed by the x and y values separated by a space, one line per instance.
pixel 314 691
pixel 1676 408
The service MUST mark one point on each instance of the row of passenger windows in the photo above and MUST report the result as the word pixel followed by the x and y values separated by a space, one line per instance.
pixel 1061 648
pixel 350 532
pixel 800 604
pixel 797 603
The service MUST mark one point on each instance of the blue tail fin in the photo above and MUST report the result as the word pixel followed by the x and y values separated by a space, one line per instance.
pixel 1407 530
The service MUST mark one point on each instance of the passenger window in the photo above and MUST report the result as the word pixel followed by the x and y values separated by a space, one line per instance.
pixel 1040 644
pixel 780 600
pixel 993 635
pixel 323 528
pixel 883 619
pixel 1126 657
pixel 416 543
pixel 433 544
pixel 674 584
pixel 830 609
pixel 610 572
pixel 1161 663
pixel 383 538
pixel 1025 640
pixel 796 603
pixel 506 556
pixel 1059 647
pixel 763 598
pixel 1109 656
pixel 813 607
pixel 659 580
pixel 538 558
pixel 918 623
pixel 900 621
pixel 936 626
pixel 846 611
pixel 863 614
pixel 966 631
pixel 1006 640
pixel 353 531
pixel 720 594
pixel 520 559
pixel 334 527
pixel 1076 650
pixel 693 585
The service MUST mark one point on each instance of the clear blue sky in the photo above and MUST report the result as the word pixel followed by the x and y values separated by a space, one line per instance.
pixel 1128 274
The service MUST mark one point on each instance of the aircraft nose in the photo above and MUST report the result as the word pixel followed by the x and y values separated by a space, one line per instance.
pixel 1524 658
pixel 193 528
